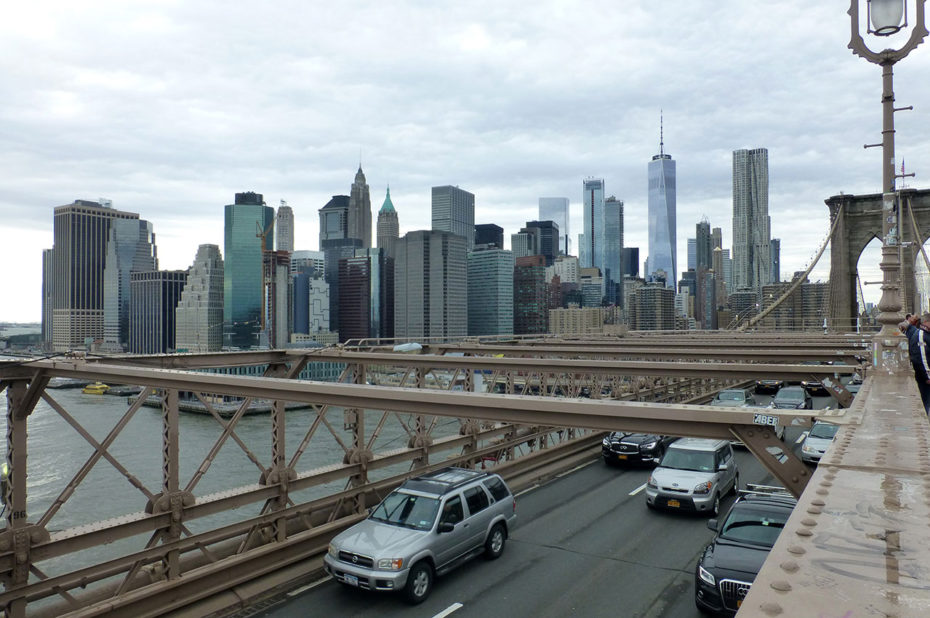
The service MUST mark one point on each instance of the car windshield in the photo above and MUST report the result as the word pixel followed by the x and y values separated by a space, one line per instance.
pixel 823 430
pixel 407 510
pixel 681 459
pixel 730 396
pixel 786 394
pixel 756 526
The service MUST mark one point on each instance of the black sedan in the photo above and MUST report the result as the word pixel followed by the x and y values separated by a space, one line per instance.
pixel 729 565
pixel 622 447
pixel 769 386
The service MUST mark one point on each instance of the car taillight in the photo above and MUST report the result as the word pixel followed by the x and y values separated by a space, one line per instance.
pixel 514 505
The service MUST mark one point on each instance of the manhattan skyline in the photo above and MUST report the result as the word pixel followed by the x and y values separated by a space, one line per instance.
pixel 185 106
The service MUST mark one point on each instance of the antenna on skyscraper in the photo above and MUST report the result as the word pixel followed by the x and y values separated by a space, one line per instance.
pixel 661 134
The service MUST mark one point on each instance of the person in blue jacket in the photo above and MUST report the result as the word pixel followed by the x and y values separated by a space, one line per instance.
pixel 917 330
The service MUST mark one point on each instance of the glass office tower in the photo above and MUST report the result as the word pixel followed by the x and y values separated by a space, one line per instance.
pixel 249 228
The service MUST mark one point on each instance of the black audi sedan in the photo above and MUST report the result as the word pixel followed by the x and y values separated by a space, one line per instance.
pixel 729 565
pixel 634 448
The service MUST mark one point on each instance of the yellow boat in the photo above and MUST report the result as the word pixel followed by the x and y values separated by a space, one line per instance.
pixel 97 388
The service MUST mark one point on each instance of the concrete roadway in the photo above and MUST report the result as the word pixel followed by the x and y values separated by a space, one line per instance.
pixel 585 545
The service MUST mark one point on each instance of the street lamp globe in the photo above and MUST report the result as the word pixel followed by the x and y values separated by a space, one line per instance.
pixel 886 16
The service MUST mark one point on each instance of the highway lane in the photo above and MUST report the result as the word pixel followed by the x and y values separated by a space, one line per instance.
pixel 585 545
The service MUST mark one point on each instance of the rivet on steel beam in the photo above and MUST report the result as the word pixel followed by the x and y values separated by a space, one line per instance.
pixel 790 566
pixel 781 585
pixel 771 609
pixel 808 522
pixel 818 502
pixel 815 510
pixel 803 532
pixel 822 492
pixel 826 484
pixel 796 550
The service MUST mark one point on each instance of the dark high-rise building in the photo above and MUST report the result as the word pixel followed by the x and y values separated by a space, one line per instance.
pixel 249 231
pixel 81 232
pixel 530 296
pixel 704 247
pixel 775 244
pixel 613 251
pixel 130 248
pixel 152 310
pixel 430 285
pixel 545 239
pixel 489 234
pixel 631 262
pixel 453 210
pixel 388 225
pixel 557 209
pixel 48 271
pixel 366 295
pixel 336 244
pixel 358 219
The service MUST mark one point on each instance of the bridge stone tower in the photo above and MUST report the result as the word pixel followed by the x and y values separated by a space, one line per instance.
pixel 860 222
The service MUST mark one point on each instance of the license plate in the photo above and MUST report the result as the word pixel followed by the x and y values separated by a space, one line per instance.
pixel 674 503
pixel 351 580
pixel 621 456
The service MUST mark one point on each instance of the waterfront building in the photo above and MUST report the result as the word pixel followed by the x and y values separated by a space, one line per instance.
pixel 613 251
pixel 530 296
pixel 199 314
pixel 430 285
pixel 489 234
pixel 366 295
pixel 152 310
pixel 752 253
pixel 556 209
pixel 591 247
pixel 278 318
pixel 453 210
pixel 490 290
pixel 130 248
pixel 248 231
pixel 663 244
pixel 81 231
pixel 388 225
pixel 284 228
pixel 358 221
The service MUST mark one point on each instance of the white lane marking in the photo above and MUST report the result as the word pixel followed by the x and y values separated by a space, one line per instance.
pixel 449 610
pixel 801 437
pixel 310 586
pixel 558 476
pixel 638 489
pixel 526 491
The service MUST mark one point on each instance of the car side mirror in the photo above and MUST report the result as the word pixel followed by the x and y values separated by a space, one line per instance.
pixel 723 467
pixel 712 524
pixel 446 526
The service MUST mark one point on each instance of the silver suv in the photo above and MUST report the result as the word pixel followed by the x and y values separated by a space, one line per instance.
pixel 424 528
pixel 693 475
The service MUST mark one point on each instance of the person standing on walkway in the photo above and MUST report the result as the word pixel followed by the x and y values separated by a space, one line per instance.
pixel 917 339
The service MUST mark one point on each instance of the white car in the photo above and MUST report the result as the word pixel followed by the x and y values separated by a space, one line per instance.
pixel 693 476
pixel 818 440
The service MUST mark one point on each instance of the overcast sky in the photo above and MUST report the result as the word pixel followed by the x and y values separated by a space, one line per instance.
pixel 168 108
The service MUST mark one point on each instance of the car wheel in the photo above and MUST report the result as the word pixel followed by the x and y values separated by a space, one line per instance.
pixel 494 546
pixel 736 485
pixel 715 509
pixel 419 583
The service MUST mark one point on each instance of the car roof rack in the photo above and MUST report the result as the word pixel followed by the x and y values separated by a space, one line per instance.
pixel 752 489
pixel 443 480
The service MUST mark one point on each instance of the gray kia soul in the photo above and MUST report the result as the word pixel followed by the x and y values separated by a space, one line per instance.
pixel 693 476
pixel 424 528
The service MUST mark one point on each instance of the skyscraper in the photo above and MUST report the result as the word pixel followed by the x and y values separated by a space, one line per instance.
pixel 152 310
pixel 775 243
pixel 359 214
pixel 81 232
pixel 530 296
pixel 130 248
pixel 388 225
pixel 752 253
pixel 430 287
pixel 489 234
pixel 249 229
pixel 545 239
pixel 556 209
pixel 612 268
pixel 704 256
pixel 592 253
pixel 199 314
pixel 284 228
pixel 631 262
pixel 663 239
pixel 366 295
pixel 453 210
pixel 490 291
pixel 336 244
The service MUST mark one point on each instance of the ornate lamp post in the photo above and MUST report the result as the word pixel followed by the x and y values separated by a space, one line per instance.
pixel 884 18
